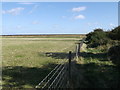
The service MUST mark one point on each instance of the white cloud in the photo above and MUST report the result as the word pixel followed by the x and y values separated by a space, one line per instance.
pixel 63 16
pixel 35 22
pixel 3 11
pixel 91 24
pixel 79 17
pixel 32 10
pixel 96 23
pixel 111 24
pixel 14 11
pixel 18 27
pixel 97 27
pixel 78 9
pixel 26 3
pixel 55 26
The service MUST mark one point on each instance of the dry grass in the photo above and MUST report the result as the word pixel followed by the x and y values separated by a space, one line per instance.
pixel 25 63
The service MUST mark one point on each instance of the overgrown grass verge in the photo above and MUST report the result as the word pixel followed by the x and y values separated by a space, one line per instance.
pixel 94 70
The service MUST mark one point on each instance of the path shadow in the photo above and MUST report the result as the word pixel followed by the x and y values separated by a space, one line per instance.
pixel 58 55
pixel 98 76
pixel 19 76
pixel 100 56
pixel 93 75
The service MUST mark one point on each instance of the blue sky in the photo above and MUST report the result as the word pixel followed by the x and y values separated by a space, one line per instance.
pixel 58 17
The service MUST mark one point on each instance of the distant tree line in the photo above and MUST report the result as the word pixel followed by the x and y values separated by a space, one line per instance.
pixel 100 37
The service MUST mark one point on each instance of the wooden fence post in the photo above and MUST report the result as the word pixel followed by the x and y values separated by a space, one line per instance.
pixel 69 69
pixel 77 49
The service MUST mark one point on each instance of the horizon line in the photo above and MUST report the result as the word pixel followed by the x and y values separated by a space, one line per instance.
pixel 37 34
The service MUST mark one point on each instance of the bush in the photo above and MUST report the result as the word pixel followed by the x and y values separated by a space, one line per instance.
pixel 115 33
pixel 114 55
pixel 97 38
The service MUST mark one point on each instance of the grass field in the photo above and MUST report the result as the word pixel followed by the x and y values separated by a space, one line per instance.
pixel 46 36
pixel 25 62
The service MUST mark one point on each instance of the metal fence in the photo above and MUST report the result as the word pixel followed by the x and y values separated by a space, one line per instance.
pixel 55 78
pixel 60 76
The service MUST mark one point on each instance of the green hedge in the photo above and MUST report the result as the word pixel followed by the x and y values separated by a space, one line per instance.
pixel 97 38
pixel 115 33
pixel 114 55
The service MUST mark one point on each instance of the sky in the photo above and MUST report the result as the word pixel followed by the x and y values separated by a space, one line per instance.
pixel 57 17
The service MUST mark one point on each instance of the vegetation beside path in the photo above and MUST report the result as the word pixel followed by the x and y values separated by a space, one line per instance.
pixel 94 70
